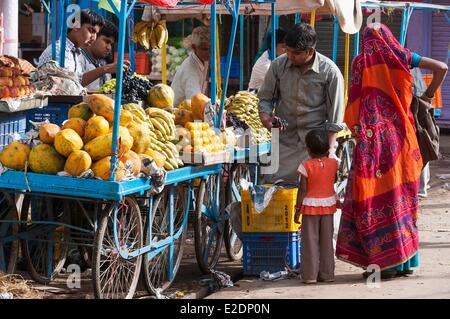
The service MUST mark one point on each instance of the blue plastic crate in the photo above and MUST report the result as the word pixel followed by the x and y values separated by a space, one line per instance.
pixel 235 66
pixel 56 113
pixel 270 252
pixel 11 123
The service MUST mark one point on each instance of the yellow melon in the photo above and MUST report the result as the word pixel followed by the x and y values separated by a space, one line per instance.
pixel 134 159
pixel 101 146
pixel 78 162
pixel 77 124
pixel 81 110
pixel 68 141
pixel 95 127
pixel 161 96
pixel 47 133
pixel 15 156
pixel 45 159
pixel 102 169
pixel 102 105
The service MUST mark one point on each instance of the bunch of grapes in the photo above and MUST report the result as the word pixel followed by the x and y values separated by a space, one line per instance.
pixel 235 122
pixel 135 88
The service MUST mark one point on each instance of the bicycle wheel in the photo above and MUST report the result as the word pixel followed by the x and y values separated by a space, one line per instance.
pixel 113 276
pixel 158 273
pixel 9 242
pixel 233 244
pixel 345 153
pixel 209 222
pixel 45 246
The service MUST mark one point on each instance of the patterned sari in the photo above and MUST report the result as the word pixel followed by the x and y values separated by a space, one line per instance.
pixel 378 223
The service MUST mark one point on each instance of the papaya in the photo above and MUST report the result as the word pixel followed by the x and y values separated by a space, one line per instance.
pixel 185 105
pixel 101 146
pixel 102 105
pixel 44 159
pixel 161 96
pixel 126 117
pixel 134 159
pixel 102 169
pixel 95 127
pixel 141 137
pixel 159 158
pixel 198 103
pixel 183 116
pixel 68 141
pixel 15 156
pixel 47 133
pixel 81 110
pixel 77 124
pixel 77 163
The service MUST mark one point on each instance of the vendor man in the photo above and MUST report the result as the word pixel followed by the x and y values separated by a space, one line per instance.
pixel 306 89
pixel 192 76
pixel 96 71
pixel 90 24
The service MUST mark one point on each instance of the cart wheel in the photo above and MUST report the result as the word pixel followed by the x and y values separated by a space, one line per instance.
pixel 157 274
pixel 9 242
pixel 44 246
pixel 233 244
pixel 85 241
pixel 345 153
pixel 209 222
pixel 113 276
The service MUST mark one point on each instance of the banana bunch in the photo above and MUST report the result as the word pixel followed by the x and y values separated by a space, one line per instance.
pixel 139 115
pixel 163 122
pixel 150 35
pixel 245 106
pixel 169 150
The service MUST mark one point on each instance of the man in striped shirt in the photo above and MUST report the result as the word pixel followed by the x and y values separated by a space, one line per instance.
pixel 81 37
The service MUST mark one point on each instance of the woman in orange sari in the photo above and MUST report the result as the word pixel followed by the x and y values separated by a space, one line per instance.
pixel 379 214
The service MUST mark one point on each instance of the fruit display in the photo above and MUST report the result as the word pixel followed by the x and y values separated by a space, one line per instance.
pixel 150 34
pixel 245 106
pixel 199 137
pixel 134 87
pixel 14 82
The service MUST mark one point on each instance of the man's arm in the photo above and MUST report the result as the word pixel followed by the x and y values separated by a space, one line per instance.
pixel 93 75
pixel 267 94
pixel 335 108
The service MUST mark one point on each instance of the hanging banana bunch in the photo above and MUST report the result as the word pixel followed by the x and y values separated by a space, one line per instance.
pixel 151 34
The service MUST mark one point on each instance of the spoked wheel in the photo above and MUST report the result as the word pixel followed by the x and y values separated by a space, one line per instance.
pixel 159 273
pixel 115 277
pixel 345 153
pixel 44 246
pixel 233 244
pixel 85 215
pixel 9 228
pixel 209 222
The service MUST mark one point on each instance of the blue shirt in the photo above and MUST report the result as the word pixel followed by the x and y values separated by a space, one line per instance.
pixel 415 60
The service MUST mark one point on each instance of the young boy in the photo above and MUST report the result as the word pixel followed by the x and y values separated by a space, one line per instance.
pixel 96 71
pixel 90 24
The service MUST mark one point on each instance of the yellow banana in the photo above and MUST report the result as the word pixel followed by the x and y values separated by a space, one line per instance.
pixel 158 126
pixel 137 29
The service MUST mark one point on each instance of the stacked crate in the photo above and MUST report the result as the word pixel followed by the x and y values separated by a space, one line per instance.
pixel 271 239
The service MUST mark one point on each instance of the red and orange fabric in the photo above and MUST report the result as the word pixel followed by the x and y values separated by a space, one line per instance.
pixel 379 215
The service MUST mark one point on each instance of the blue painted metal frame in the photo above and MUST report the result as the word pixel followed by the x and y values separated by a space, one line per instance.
pixel 335 39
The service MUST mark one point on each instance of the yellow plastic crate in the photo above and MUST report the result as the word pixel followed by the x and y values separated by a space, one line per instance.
pixel 277 217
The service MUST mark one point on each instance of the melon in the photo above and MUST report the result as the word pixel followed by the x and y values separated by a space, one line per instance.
pixel 161 96
pixel 45 159
pixel 15 156
pixel 77 163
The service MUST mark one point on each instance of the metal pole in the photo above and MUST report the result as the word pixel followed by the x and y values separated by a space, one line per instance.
pixel 54 13
pixel 130 42
pixel 356 51
pixel 273 27
pixel 118 96
pixel 235 14
pixel 335 39
pixel 213 53
pixel 241 53
pixel 63 35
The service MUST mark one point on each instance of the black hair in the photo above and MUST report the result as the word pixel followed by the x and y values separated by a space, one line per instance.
pixel 317 141
pixel 88 16
pixel 109 30
pixel 280 35
pixel 301 37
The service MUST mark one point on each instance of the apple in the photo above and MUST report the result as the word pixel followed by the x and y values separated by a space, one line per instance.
pixel 13 92
pixel 4 92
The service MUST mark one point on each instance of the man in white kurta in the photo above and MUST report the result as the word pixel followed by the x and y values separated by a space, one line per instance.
pixel 193 75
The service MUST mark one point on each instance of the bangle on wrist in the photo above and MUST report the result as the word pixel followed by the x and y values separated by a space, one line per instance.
pixel 298 208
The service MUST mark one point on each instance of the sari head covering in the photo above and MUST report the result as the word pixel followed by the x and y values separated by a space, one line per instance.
pixel 378 223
